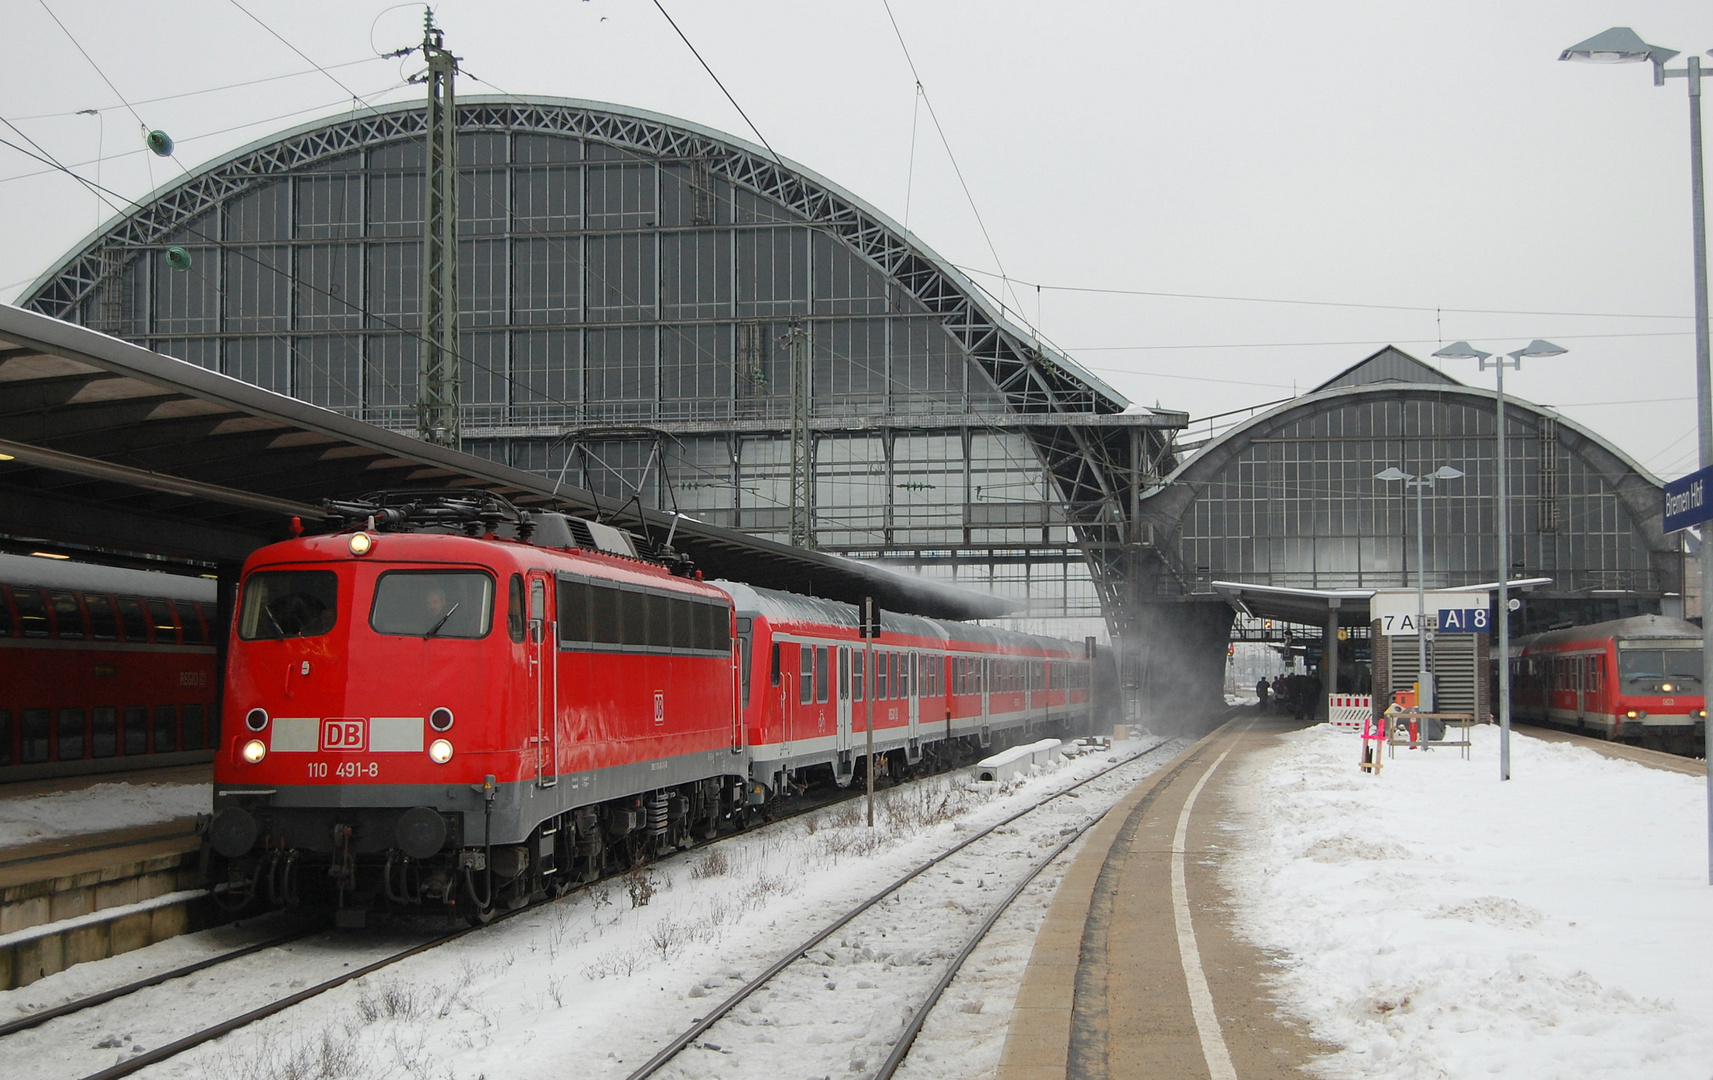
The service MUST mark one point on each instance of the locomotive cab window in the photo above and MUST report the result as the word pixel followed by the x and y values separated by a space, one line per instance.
pixel 280 604
pixel 433 603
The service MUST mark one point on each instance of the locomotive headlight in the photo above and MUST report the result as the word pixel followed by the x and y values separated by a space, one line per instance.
pixel 361 543
pixel 1665 687
pixel 254 751
pixel 440 751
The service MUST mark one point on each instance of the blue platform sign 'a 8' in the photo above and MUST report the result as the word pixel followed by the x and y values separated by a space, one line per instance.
pixel 1465 621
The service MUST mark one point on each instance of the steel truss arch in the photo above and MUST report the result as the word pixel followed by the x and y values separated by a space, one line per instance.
pixel 1098 469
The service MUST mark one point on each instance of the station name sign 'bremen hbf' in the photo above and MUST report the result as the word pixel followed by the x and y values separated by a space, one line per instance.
pixel 1686 501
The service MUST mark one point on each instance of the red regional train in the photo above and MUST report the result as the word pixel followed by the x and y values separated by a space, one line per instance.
pixel 452 702
pixel 1635 679
pixel 103 668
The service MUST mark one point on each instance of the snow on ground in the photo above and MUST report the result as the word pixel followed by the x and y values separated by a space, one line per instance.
pixel 1434 922
pixel 31 819
pixel 592 985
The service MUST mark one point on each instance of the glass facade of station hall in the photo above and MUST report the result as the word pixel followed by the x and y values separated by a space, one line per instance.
pixel 623 320
pixel 1291 499
pixel 1300 505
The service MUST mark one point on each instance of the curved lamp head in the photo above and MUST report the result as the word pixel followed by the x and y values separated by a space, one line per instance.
pixel 1393 473
pixel 1462 350
pixel 1537 347
pixel 1446 472
pixel 1619 45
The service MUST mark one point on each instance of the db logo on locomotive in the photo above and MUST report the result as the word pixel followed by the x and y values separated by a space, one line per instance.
pixel 343 734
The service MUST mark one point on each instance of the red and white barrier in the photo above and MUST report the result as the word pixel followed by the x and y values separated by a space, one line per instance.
pixel 1348 712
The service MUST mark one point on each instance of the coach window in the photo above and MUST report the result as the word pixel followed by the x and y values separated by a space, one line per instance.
pixel 5 736
pixel 68 615
pixel 192 623
pixel 773 665
pixel 103 624
pixel 104 731
pixel 160 614
pixel 805 675
pixel 821 674
pixel 514 609
pixel 33 739
pixel 880 666
pixel 192 728
pixel 70 734
pixel 131 617
pixel 277 604
pixel 136 729
pixel 166 729
pixel 857 665
pixel 32 612
pixel 433 604
pixel 844 674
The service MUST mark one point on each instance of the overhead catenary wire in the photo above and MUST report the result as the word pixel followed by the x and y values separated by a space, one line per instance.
pixel 950 156
pixel 1320 303
pixel 301 54
pixel 209 90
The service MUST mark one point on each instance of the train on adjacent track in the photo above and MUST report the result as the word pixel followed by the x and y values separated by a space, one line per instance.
pixel 448 701
pixel 1637 680
pixel 103 668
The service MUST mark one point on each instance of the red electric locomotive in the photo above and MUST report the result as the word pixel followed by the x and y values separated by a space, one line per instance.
pixel 102 668
pixel 451 701
pixel 1635 679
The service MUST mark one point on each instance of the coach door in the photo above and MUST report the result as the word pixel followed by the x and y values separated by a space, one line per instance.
pixel 543 678
pixel 913 748
pixel 1580 666
pixel 842 690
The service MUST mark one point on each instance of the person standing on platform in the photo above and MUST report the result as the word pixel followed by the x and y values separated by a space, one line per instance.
pixel 1261 689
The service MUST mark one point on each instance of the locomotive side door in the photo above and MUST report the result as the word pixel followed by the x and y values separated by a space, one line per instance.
pixel 543 675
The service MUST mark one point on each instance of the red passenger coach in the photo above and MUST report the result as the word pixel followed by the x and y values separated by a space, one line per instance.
pixel 939 689
pixel 452 701
pixel 103 668
pixel 1635 679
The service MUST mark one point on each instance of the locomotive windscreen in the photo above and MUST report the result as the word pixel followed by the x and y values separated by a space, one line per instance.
pixel 282 604
pixel 433 603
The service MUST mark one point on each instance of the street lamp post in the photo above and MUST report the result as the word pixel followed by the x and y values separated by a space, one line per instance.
pixel 1462 350
pixel 1424 680
pixel 1621 45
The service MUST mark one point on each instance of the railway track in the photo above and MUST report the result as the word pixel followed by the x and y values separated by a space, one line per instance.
pixel 175 1047
pixel 803 953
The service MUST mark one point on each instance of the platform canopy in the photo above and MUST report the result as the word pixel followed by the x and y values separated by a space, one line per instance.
pixel 107 447
pixel 1311 607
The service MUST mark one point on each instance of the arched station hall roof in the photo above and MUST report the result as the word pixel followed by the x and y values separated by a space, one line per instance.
pixel 1098 448
pixel 1588 487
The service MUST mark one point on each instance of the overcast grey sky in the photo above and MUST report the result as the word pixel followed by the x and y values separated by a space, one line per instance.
pixel 1422 159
